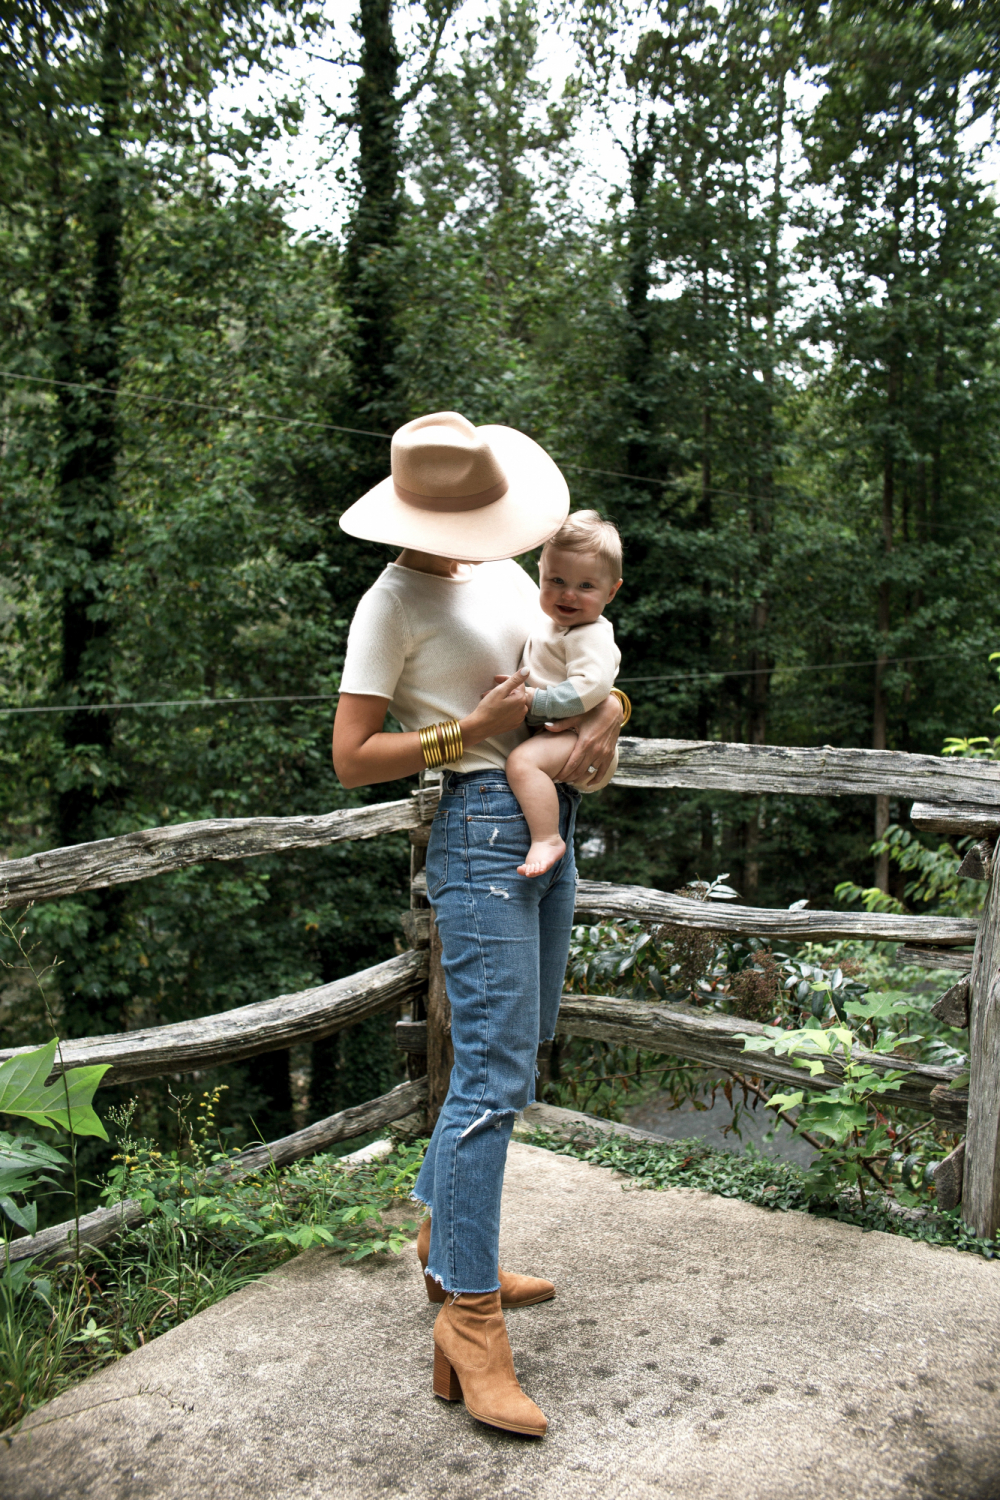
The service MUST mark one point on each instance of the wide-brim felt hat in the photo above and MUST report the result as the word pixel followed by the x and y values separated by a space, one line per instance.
pixel 474 493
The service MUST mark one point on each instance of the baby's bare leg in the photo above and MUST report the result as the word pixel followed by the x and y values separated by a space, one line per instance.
pixel 532 769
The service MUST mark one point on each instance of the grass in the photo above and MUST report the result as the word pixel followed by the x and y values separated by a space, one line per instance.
pixel 754 1179
pixel 204 1238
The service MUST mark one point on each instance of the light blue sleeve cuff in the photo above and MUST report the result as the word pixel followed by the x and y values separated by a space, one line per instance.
pixel 559 702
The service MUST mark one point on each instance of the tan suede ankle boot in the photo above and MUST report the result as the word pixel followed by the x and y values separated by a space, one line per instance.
pixel 473 1362
pixel 515 1291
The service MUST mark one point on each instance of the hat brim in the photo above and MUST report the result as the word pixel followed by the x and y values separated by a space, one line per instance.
pixel 533 509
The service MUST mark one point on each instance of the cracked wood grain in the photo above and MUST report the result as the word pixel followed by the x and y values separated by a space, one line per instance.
pixel 105 1224
pixel 596 898
pixel 155 851
pixel 267 1026
pixel 815 771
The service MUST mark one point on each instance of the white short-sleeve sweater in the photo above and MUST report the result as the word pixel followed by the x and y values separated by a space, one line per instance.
pixel 431 646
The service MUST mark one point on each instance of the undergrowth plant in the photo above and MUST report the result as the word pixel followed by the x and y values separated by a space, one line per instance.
pixel 756 1179
pixel 207 1233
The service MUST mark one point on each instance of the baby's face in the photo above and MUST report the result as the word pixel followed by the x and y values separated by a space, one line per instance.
pixel 575 588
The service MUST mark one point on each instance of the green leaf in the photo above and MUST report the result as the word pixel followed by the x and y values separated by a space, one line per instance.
pixel 25 1218
pixel 24 1092
pixel 23 1152
pixel 837 1121
pixel 781 1102
pixel 876 1006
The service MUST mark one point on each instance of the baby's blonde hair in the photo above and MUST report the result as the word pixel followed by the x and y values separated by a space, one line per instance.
pixel 586 531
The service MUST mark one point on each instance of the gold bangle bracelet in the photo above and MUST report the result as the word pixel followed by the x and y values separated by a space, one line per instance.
pixel 451 739
pixel 624 700
pixel 441 744
pixel 431 748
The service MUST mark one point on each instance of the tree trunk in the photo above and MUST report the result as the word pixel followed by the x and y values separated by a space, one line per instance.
pixel 879 717
pixel 370 275
pixel 90 443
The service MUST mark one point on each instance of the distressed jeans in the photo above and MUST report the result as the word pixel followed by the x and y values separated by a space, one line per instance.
pixel 504 941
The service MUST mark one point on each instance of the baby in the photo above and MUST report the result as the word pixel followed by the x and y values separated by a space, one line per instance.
pixel 571 662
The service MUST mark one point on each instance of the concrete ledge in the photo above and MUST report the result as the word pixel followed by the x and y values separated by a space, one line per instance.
pixel 698 1349
pixel 569 1122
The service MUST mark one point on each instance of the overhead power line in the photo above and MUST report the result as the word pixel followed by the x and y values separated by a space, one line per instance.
pixel 247 416
pixel 830 666
pixel 79 708
pixel 833 666
pixel 219 411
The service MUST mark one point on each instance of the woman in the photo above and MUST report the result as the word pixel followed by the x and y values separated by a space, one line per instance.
pixel 441 624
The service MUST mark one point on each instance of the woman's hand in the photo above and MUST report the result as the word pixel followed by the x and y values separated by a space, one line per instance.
pixel 596 737
pixel 500 710
pixel 364 754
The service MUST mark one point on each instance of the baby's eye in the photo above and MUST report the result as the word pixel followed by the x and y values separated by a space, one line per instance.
pixel 587 585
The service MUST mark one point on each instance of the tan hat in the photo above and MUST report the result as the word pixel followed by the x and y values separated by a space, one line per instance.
pixel 475 493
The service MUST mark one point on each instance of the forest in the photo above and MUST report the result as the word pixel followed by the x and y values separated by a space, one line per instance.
pixel 738 270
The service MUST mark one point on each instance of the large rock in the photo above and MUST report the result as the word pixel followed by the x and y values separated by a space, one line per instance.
pixel 698 1347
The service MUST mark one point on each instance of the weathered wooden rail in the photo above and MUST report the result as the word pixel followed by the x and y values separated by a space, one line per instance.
pixel 963 792
pixel 59 1243
pixel 953 797
pixel 710 1038
pixel 267 1026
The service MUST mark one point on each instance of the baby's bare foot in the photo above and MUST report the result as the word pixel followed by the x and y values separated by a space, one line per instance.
pixel 542 856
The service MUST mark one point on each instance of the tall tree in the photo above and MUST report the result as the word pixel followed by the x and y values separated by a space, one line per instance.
pixel 908 233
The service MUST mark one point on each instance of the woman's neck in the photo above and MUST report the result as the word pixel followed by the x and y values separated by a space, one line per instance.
pixel 426 562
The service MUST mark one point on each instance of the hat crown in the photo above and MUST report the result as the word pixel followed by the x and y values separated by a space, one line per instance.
pixel 443 457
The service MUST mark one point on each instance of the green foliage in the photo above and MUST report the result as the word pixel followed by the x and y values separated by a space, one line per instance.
pixel 849 1117
pixel 936 881
pixel 67 1103
pixel 206 1236
pixel 758 1180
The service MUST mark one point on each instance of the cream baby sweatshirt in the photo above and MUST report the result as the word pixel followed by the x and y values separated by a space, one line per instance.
pixel 431 646
pixel 572 667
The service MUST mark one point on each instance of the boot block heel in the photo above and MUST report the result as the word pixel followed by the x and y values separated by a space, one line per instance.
pixel 446 1383
pixel 435 1293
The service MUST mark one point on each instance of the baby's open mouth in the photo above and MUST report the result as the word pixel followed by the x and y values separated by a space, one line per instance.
pixel 566 609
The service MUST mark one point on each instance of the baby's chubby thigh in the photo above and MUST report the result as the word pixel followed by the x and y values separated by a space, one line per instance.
pixel 544 751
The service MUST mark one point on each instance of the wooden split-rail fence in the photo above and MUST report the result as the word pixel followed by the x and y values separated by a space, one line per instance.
pixel 955 797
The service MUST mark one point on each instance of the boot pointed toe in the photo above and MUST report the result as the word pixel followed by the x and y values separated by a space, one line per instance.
pixel 473 1362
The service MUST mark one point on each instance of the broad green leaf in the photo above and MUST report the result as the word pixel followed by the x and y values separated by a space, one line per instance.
pixel 25 1218
pixel 24 1092
pixel 22 1152
pixel 782 1102
pixel 835 1120
pixel 811 1065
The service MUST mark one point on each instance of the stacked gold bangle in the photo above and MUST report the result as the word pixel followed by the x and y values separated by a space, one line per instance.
pixel 442 744
pixel 625 702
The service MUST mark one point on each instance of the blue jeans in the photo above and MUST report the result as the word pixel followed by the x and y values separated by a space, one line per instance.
pixel 504 942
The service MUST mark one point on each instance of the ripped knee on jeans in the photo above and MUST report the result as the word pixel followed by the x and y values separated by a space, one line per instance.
pixel 490 1118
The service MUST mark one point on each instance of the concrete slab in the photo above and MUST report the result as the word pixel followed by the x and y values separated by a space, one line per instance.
pixel 698 1347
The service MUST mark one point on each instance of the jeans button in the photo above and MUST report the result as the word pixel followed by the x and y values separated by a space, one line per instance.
pixel 468 820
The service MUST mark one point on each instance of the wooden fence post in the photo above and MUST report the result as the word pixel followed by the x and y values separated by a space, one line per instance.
pixel 416 1062
pixel 440 1053
pixel 981 1174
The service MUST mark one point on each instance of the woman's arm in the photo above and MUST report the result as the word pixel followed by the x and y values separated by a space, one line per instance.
pixel 363 754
